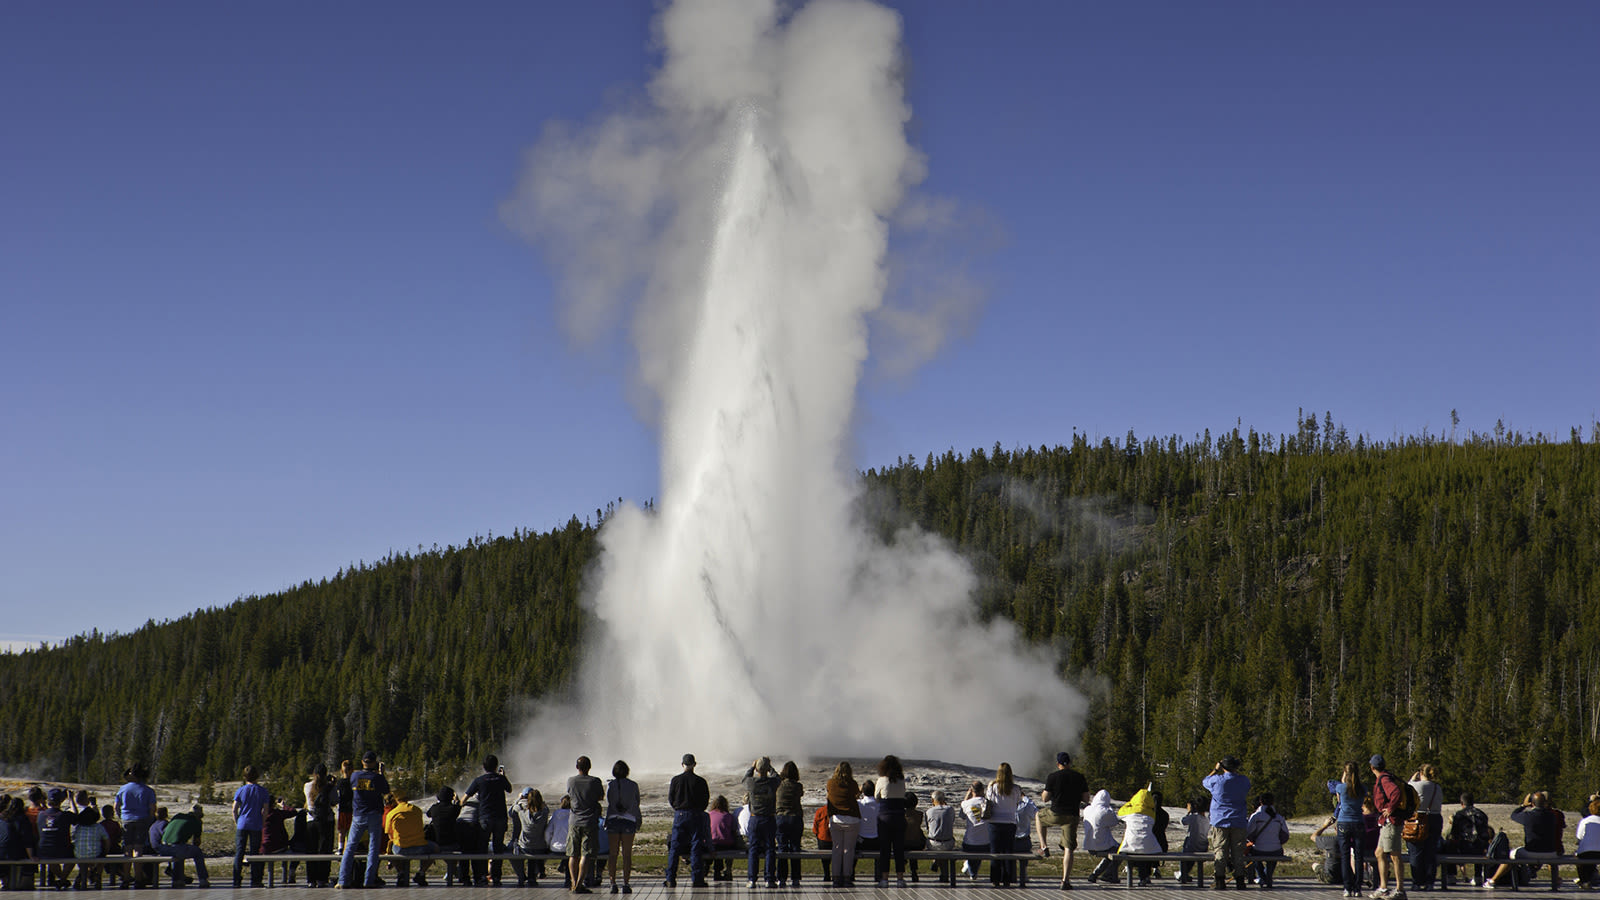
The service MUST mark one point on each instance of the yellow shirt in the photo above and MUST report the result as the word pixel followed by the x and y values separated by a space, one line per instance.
pixel 403 824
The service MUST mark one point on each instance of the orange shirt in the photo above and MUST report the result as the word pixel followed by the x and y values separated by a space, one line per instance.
pixel 403 824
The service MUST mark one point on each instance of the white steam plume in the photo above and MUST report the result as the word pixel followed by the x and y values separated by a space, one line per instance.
pixel 742 217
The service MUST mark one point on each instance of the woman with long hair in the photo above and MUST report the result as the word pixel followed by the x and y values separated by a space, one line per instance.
pixel 1003 797
pixel 891 793
pixel 528 820
pixel 844 821
pixel 1430 811
pixel 321 807
pixel 1349 824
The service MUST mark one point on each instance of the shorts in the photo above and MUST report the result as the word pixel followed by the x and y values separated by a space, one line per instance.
pixel 617 825
pixel 1067 822
pixel 1389 840
pixel 136 834
pixel 583 840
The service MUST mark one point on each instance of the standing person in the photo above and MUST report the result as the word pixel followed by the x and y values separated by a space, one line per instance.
pixel 136 809
pixel 249 816
pixel 491 788
pixel 1430 811
pixel 844 822
pixel 890 789
pixel 181 840
pixel 367 789
pixel 761 796
pixel 346 796
pixel 587 795
pixel 1267 830
pixel 1004 796
pixel 1349 826
pixel 1230 794
pixel 1388 797
pixel 1469 834
pixel 790 821
pixel 940 824
pixel 321 810
pixel 1066 791
pixel 688 795
pixel 622 822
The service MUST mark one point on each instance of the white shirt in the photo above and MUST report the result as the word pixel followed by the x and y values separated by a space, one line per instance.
pixel 1588 834
pixel 1004 805
pixel 977 828
pixel 1139 834
pixel 869 817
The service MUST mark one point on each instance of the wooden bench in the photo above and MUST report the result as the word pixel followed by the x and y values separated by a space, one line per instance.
pixel 96 862
pixel 1129 860
pixel 400 861
pixel 1554 862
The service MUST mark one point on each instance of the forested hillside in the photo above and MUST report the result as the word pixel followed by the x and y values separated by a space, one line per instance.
pixel 1297 600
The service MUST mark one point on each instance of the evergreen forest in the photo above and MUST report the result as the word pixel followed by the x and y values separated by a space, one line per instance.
pixel 1295 599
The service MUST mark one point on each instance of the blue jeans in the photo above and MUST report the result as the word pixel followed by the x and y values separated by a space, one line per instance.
pixel 763 842
pixel 789 831
pixel 1350 836
pixel 1000 835
pixel 692 827
pixel 371 825
pixel 247 840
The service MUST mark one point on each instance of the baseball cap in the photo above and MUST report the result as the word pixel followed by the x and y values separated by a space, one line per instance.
pixel 370 756
pixel 56 795
pixel 1063 758
pixel 1376 761
pixel 688 759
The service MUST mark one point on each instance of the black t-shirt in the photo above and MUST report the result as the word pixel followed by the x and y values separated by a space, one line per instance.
pixel 347 795
pixel 1066 787
pixel 443 818
pixel 491 789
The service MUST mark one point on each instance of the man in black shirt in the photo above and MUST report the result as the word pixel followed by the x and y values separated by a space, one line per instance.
pixel 1066 790
pixel 689 796
pixel 491 789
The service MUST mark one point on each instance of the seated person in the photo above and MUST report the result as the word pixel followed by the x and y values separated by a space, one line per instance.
pixel 1541 833
pixel 403 824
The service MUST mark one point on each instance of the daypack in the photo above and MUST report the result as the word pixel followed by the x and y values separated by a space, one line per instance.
pixel 1409 801
pixel 1499 847
pixel 1482 832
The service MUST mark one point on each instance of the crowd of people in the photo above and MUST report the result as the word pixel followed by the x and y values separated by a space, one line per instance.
pixel 360 816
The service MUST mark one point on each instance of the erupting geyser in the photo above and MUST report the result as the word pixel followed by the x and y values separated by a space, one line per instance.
pixel 744 218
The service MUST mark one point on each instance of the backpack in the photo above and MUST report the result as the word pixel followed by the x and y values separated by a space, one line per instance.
pixel 1409 801
pixel 1499 847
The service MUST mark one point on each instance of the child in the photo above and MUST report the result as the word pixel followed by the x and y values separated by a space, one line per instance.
pixel 724 836
pixel 1196 823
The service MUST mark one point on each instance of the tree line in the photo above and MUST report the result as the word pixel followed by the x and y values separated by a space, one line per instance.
pixel 1296 599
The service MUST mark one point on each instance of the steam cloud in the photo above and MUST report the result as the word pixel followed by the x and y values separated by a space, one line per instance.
pixel 741 218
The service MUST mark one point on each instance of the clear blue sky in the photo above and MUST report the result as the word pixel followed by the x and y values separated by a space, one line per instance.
pixel 260 318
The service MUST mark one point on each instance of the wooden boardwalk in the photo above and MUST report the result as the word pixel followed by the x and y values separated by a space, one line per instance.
pixel 811 889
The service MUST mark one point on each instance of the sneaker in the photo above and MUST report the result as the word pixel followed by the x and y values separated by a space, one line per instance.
pixel 1398 895
pixel 750 885
pixel 613 889
pixel 582 889
pixel 626 889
